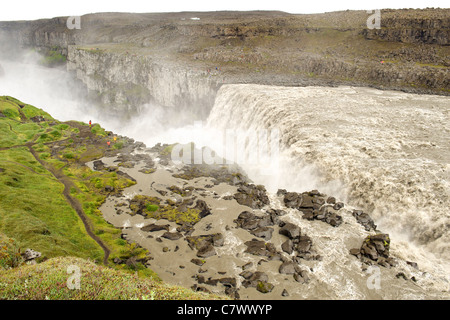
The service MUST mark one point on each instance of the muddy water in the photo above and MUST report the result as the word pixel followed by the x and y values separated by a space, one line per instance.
pixel 338 275
pixel 384 151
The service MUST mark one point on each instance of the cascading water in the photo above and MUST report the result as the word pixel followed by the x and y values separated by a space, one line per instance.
pixel 383 151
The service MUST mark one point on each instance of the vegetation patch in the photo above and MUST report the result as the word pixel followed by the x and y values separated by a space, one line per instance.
pixel 50 280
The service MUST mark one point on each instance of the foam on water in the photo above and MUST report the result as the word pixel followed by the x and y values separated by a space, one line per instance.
pixel 386 152
pixel 383 151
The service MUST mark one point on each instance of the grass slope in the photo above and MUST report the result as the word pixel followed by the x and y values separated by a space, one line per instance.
pixel 55 279
pixel 49 202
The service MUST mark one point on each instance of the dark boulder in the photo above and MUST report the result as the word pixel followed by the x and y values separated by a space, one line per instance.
pixel 289 267
pixel 205 244
pixel 206 251
pixel 98 165
pixel 198 262
pixel 304 244
pixel 288 246
pixel 290 230
pixel 375 248
pixel 301 276
pixel 263 232
pixel 172 235
pixel 249 221
pixel 203 208
pixel 155 227
pixel 253 196
pixel 292 200
pixel 261 248
pixel 252 279
pixel 364 219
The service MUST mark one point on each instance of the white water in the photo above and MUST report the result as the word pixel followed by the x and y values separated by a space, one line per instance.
pixel 387 152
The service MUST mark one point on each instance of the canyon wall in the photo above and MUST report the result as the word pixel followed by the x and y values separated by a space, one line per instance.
pixel 180 60
pixel 432 27
pixel 144 80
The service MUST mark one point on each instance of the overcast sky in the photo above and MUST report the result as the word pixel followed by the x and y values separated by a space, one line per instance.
pixel 37 9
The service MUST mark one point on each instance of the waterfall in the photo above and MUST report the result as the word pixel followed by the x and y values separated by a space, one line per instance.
pixel 383 151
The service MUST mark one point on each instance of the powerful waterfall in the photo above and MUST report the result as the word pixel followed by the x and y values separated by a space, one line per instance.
pixel 382 151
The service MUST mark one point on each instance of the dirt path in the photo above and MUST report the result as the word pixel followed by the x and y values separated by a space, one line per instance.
pixel 72 201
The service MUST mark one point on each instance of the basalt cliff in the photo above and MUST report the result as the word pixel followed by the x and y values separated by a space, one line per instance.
pixel 180 60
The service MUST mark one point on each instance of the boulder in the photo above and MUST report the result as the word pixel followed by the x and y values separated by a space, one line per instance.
pixel 264 232
pixel 98 165
pixel 290 230
pixel 199 242
pixel 30 255
pixel 256 247
pixel 109 189
pixel 172 235
pixel 338 206
pixel 155 227
pixel 198 262
pixel 228 281
pixel 304 244
pixel 249 221
pixel 287 267
pixel 364 219
pixel 252 280
pixel 292 200
pixel 253 196
pixel 202 206
pixel 301 276
pixel 264 287
pixel 261 248
pixel 206 251
pixel 376 248
pixel 288 246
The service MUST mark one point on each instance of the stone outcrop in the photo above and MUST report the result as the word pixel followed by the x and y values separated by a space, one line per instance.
pixel 252 195
pixel 30 256
pixel 425 26
pixel 375 250
pixel 314 206
pixel 145 80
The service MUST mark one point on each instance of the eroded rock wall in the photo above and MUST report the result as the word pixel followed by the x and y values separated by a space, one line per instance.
pixel 125 79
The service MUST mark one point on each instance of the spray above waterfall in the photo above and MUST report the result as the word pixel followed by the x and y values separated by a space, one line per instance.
pixel 258 148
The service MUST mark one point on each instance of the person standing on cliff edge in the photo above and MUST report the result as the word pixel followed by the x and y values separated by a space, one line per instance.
pixel 90 124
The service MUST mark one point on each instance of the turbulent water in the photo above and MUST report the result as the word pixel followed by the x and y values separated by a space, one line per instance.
pixel 383 151
pixel 386 152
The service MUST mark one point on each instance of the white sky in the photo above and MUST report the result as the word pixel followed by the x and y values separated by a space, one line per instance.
pixel 37 9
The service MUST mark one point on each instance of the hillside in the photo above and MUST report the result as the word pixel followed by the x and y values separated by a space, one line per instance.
pixel 50 280
pixel 50 201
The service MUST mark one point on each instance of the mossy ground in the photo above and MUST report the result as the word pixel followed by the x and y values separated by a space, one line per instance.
pixel 51 280
pixel 35 214
pixel 153 207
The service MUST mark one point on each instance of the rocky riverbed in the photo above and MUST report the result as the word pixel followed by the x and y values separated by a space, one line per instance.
pixel 208 227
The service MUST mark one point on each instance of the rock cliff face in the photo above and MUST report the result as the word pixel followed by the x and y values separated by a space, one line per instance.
pixel 179 60
pixel 429 26
pixel 128 80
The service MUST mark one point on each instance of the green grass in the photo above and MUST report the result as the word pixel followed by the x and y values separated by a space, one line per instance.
pixel 98 130
pixel 53 58
pixel 55 280
pixel 35 214
pixel 40 220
